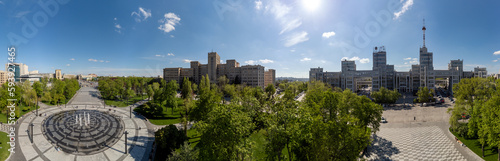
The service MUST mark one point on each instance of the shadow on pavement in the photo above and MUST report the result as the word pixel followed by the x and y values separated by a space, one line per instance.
pixel 381 149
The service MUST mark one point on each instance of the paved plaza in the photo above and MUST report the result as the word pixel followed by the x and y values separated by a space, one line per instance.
pixel 139 138
pixel 417 133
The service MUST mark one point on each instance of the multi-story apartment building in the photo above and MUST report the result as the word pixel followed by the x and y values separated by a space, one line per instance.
pixel 252 75
pixel 384 75
pixel 58 74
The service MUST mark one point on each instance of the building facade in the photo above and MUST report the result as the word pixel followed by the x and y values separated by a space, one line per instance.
pixel 252 75
pixel 58 74
pixel 384 75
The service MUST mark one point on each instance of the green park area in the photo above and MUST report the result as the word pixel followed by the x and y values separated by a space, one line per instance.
pixel 490 153
pixel 4 146
pixel 124 103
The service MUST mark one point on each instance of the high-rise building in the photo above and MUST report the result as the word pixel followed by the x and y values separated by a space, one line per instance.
pixel 252 75
pixel 18 69
pixel 58 74
pixel 384 75
pixel 269 77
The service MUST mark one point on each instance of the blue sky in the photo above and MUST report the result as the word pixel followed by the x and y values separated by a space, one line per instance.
pixel 142 37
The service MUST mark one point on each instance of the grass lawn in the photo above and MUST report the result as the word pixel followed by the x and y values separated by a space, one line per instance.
pixel 120 103
pixel 194 137
pixel 4 153
pixel 167 117
pixel 490 153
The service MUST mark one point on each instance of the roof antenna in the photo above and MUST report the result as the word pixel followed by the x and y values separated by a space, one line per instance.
pixel 423 29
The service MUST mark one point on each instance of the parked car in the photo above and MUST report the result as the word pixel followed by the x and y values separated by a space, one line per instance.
pixel 383 120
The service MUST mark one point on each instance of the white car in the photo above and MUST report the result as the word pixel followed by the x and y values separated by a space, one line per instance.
pixel 383 120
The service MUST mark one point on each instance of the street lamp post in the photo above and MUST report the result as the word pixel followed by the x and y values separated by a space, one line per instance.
pixel 126 132
pixel 130 111
pixel 31 125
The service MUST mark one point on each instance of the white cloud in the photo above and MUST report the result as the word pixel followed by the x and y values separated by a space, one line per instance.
pixel 258 5
pixel 95 60
pixel 118 27
pixel 293 50
pixel 68 65
pixel 265 61
pixel 186 61
pixel 322 61
pixel 172 36
pixel 328 34
pixel 409 58
pixel 158 55
pixel 405 8
pixel 141 15
pixel 364 60
pixel 296 38
pixel 251 62
pixel 170 54
pixel 72 59
pixel 305 59
pixel 494 61
pixel 496 52
pixel 168 22
pixel 351 59
pixel 413 62
pixel 290 25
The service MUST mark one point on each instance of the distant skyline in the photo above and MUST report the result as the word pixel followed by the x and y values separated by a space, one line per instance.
pixel 125 38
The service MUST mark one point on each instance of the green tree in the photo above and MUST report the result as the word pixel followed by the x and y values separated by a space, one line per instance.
pixel 185 153
pixel 168 139
pixel 170 93
pixel 424 94
pixel 208 98
pixel 224 134
pixel 186 92
pixel 150 92
pixel 383 95
pixel 270 90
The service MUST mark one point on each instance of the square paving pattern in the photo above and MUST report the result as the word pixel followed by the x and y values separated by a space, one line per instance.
pixel 417 143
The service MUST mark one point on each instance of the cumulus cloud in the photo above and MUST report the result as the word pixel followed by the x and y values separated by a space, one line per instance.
pixel 406 6
pixel 168 22
pixel 494 61
pixel 409 58
pixel 170 54
pixel 265 61
pixel 250 62
pixel 328 34
pixel 296 38
pixel 118 27
pixel 72 59
pixel 305 59
pixel 496 52
pixel 364 60
pixel 95 60
pixel 141 15
pixel 186 61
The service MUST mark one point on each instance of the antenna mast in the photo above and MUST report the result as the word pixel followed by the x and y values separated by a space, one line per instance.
pixel 423 29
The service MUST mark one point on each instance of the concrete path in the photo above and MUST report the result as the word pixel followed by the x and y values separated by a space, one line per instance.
pixel 139 140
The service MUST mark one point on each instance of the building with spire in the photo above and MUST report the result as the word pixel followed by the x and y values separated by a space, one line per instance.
pixel 384 75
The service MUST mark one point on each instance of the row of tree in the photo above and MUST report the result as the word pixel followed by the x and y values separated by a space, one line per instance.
pixel 328 125
pixel 477 111
pixel 53 91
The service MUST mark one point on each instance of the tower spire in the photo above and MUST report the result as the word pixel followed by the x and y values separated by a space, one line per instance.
pixel 423 29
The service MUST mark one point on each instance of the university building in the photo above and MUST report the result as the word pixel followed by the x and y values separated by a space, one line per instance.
pixel 252 75
pixel 384 75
